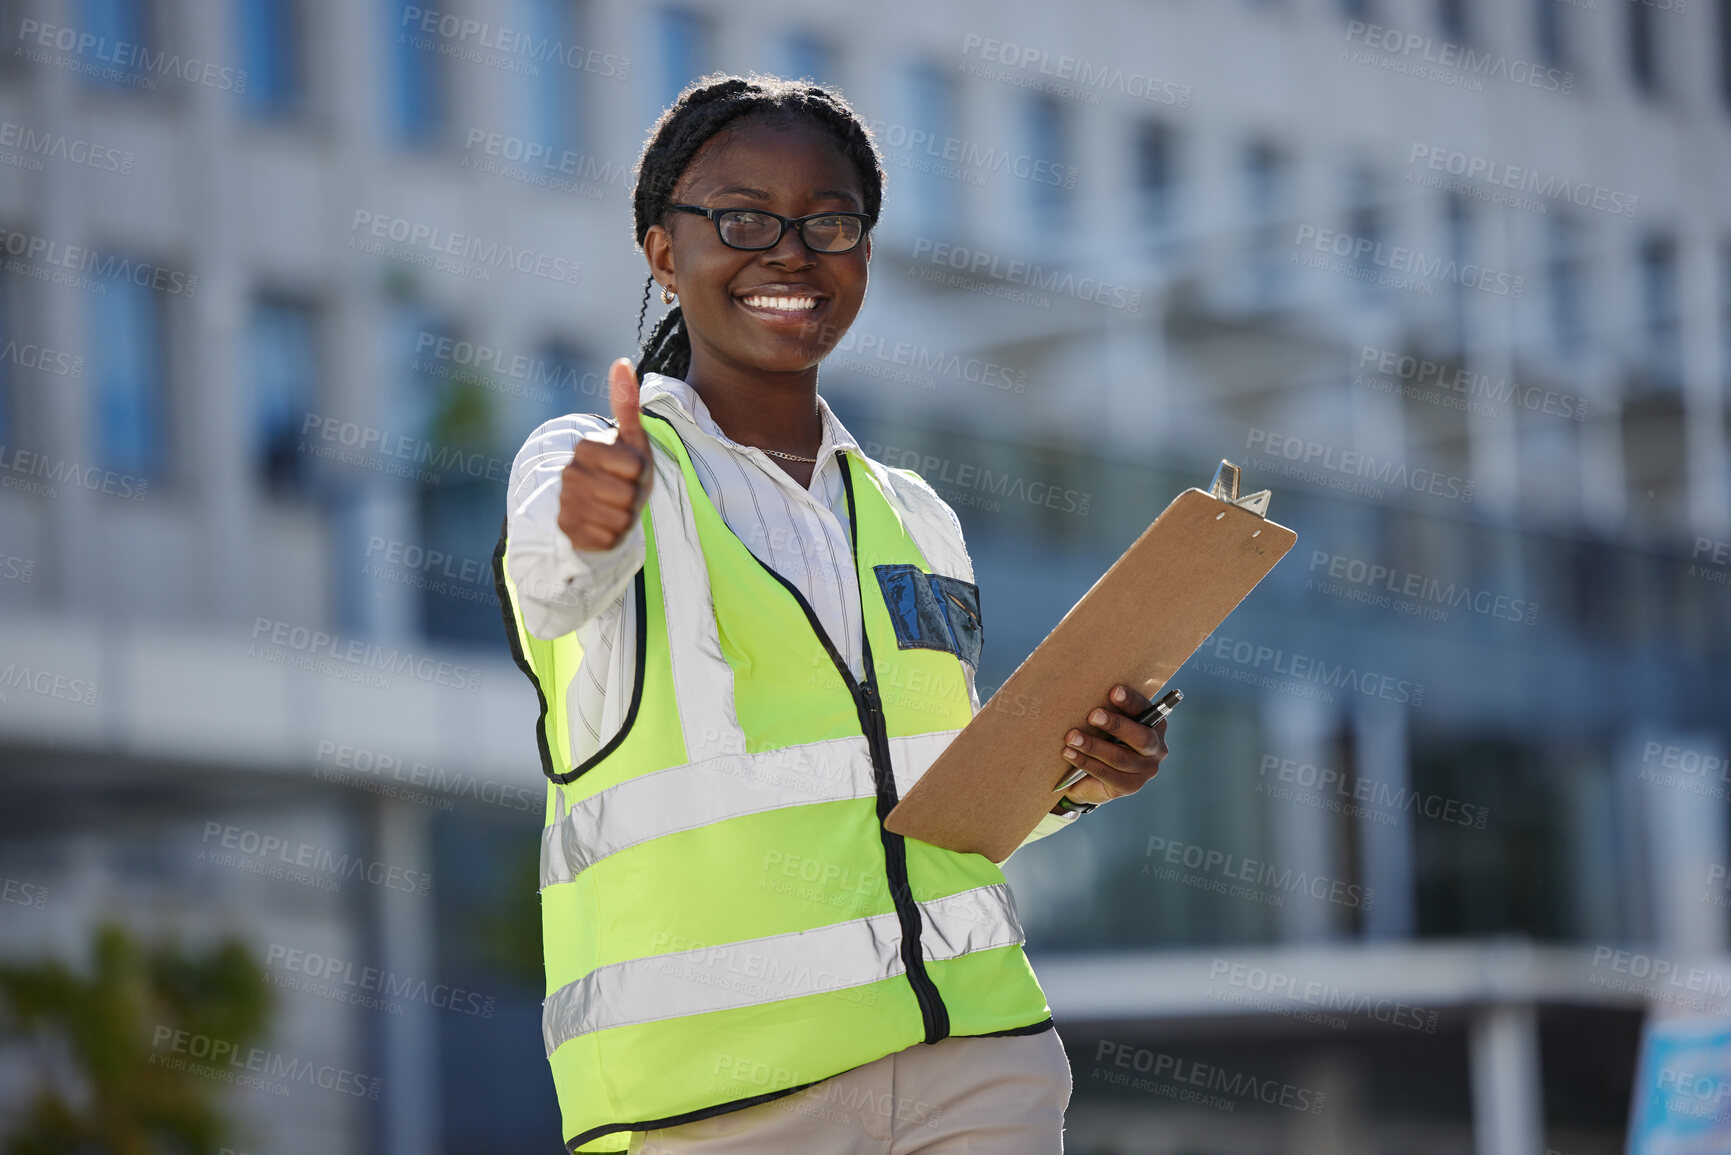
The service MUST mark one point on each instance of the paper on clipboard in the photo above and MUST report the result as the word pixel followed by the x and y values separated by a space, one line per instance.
pixel 1139 623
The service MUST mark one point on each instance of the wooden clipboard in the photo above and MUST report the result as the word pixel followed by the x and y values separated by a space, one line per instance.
pixel 1140 622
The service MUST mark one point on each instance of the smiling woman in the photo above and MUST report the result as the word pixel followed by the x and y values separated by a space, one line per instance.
pixel 749 639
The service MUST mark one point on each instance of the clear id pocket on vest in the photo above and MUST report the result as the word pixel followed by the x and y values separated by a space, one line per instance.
pixel 932 612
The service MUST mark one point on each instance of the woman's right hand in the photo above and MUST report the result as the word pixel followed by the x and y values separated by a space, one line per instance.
pixel 608 480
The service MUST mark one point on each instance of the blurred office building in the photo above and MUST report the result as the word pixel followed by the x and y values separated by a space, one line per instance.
pixel 287 283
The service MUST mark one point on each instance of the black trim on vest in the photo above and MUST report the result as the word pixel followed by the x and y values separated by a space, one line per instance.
pixel 1030 1029
pixel 522 660
pixel 572 1144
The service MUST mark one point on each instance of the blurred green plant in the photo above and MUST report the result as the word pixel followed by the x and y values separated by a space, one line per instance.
pixel 103 1089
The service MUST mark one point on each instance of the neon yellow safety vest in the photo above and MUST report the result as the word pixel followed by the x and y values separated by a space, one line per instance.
pixel 725 920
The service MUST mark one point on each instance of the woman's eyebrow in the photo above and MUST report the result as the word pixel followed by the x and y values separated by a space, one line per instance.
pixel 761 194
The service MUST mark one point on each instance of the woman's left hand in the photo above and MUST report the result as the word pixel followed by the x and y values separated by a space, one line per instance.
pixel 1115 770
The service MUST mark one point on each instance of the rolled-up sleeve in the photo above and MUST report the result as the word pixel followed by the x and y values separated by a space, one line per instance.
pixel 560 587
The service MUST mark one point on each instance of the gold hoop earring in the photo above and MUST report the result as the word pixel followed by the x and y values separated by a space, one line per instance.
pixel 666 295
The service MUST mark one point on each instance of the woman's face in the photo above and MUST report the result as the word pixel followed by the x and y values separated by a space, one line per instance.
pixel 780 310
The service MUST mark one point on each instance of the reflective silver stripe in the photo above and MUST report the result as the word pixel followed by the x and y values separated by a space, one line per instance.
pixel 695 794
pixel 766 970
pixel 913 755
pixel 702 679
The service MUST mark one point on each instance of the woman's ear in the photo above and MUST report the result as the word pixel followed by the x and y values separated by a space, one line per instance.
pixel 658 250
pixel 868 244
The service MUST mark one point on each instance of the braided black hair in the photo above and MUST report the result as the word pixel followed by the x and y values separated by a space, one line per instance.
pixel 706 107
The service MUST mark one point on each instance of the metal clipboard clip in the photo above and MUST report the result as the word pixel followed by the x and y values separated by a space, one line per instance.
pixel 1225 487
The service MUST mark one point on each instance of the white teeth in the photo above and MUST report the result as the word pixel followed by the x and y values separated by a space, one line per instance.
pixel 785 304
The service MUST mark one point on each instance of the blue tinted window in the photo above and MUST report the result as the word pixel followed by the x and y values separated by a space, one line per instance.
pixel 553 86
pixel 1049 166
pixel 809 58
pixel 416 101
pixel 115 39
pixel 931 119
pixel 683 51
pixel 270 55
pixel 282 367
pixel 131 407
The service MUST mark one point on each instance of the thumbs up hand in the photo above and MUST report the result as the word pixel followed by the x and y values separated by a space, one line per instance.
pixel 603 489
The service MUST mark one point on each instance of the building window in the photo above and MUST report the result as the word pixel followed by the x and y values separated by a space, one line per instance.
pixel 282 370
pixel 1459 214
pixel 272 54
pixel 684 51
pixel 1050 174
pixel 1643 65
pixel 1454 17
pixel 809 58
pixel 1265 179
pixel 554 88
pixel 132 413
pixel 931 112
pixel 1156 210
pixel 1725 318
pixel 1565 271
pixel 1661 313
pixel 417 80
pixel 1355 9
pixel 116 39
pixel 1364 224
pixel 1548 32
pixel 1725 50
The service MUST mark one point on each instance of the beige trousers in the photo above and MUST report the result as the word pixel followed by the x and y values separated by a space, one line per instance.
pixel 1004 1095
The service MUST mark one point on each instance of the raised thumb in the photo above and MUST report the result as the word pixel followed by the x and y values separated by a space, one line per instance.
pixel 622 390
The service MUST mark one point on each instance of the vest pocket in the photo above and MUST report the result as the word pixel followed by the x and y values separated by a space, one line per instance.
pixel 932 611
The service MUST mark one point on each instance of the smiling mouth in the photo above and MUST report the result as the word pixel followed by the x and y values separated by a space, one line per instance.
pixel 781 304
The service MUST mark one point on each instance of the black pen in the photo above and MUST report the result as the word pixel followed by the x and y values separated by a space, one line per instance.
pixel 1168 701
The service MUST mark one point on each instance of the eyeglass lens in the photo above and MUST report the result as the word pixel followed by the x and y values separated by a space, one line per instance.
pixel 754 230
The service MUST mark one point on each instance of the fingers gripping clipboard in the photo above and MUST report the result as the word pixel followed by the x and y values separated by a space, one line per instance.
pixel 1140 622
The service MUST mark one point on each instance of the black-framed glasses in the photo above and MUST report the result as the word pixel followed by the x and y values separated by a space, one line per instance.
pixel 757 229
